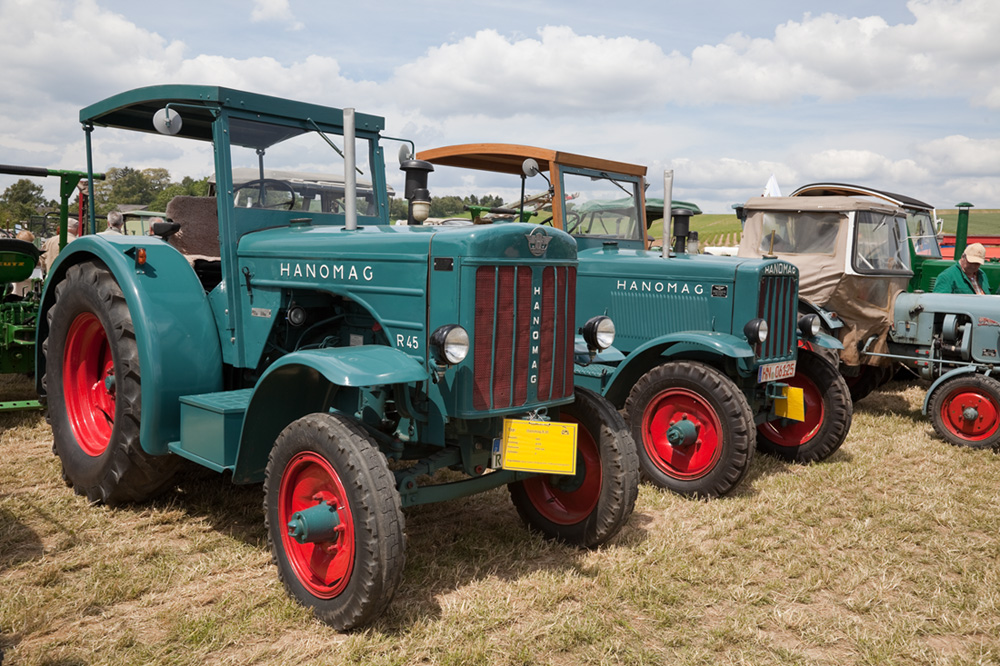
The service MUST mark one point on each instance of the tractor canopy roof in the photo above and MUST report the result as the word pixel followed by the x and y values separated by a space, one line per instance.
pixel 199 105
pixel 507 158
pixel 845 190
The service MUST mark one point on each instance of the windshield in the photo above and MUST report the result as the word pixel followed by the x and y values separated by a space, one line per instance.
pixel 800 232
pixel 598 204
pixel 280 167
pixel 923 234
pixel 880 243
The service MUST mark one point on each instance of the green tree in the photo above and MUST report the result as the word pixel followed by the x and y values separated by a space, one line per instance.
pixel 20 201
pixel 446 206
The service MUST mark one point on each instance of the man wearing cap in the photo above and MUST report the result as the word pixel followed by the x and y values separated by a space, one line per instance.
pixel 965 277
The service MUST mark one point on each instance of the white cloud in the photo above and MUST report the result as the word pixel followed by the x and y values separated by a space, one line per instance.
pixel 962 155
pixel 274 10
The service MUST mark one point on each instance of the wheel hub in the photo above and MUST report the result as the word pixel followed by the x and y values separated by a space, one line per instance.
pixel 970 414
pixel 682 432
pixel 315 524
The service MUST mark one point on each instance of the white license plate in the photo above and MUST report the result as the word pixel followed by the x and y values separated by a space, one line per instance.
pixel 774 371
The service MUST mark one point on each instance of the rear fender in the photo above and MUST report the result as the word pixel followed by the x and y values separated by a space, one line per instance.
pixel 310 381
pixel 178 343
pixel 715 348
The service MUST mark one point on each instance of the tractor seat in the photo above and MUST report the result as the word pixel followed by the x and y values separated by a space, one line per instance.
pixel 198 236
pixel 18 259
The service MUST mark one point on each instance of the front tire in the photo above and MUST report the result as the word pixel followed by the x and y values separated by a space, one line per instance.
pixel 828 414
pixel 693 429
pixel 590 507
pixel 344 562
pixel 965 411
pixel 93 384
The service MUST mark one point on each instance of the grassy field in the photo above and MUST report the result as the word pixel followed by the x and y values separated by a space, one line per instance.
pixel 885 554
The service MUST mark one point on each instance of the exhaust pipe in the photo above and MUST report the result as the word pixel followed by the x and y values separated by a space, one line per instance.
pixel 350 177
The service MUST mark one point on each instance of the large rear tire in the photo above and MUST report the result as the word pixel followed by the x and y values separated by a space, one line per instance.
pixel 92 378
pixel 693 429
pixel 334 520
pixel 590 507
pixel 965 411
pixel 828 412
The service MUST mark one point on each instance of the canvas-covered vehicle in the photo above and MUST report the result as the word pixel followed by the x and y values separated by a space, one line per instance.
pixel 928 256
pixel 854 257
pixel 712 366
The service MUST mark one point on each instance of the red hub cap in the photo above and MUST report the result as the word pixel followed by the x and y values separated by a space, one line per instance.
pixel 682 434
pixel 970 415
pixel 797 433
pixel 323 567
pixel 89 384
pixel 567 500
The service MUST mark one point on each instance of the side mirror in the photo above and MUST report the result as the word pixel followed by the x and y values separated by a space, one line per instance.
pixel 530 168
pixel 405 153
pixel 167 121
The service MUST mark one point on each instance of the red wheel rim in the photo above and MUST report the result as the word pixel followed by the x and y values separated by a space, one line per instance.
pixel 964 398
pixel 89 384
pixel 797 433
pixel 567 500
pixel 686 461
pixel 324 567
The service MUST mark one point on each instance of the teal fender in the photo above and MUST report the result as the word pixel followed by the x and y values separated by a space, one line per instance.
pixel 830 319
pixel 179 351
pixel 808 342
pixel 308 381
pixel 951 374
pixel 615 383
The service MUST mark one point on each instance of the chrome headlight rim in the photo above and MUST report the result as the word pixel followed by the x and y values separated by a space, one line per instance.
pixel 756 331
pixel 450 344
pixel 599 332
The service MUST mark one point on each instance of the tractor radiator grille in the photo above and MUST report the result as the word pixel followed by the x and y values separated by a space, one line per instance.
pixel 778 307
pixel 523 339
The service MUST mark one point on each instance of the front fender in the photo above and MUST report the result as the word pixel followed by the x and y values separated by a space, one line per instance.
pixel 307 381
pixel 178 344
pixel 823 340
pixel 688 344
pixel 965 369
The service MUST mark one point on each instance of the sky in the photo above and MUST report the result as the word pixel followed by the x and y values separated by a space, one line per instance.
pixel 901 96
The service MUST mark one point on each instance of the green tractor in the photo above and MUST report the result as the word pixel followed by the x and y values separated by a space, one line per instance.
pixel 338 360
pixel 712 359
pixel 22 280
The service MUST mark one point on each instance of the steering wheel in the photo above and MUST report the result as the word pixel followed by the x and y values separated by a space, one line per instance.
pixel 262 186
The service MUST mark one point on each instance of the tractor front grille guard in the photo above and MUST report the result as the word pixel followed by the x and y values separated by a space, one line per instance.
pixel 779 308
pixel 523 338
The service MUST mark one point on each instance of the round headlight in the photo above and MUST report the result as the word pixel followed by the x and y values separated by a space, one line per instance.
pixel 809 325
pixel 756 331
pixel 599 332
pixel 450 344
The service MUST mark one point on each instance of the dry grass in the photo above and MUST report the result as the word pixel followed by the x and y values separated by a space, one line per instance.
pixel 885 554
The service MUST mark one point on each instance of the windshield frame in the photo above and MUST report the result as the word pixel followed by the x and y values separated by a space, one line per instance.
pixel 897 232
pixel 616 179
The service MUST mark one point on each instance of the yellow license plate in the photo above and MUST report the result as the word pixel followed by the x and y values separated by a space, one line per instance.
pixel 538 446
pixel 793 406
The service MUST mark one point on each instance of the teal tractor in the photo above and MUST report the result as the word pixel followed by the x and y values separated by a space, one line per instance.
pixel 19 273
pixel 309 350
pixel 712 359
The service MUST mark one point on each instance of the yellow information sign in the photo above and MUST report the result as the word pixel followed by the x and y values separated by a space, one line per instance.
pixel 793 406
pixel 538 446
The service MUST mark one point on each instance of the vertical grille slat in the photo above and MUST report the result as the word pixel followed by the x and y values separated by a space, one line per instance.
pixel 507 371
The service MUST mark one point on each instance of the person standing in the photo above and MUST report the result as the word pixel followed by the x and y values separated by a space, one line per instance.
pixel 115 223
pixel 50 248
pixel 966 275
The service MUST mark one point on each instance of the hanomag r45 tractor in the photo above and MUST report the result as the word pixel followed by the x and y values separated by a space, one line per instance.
pixel 307 351
pixel 710 343
pixel 855 260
